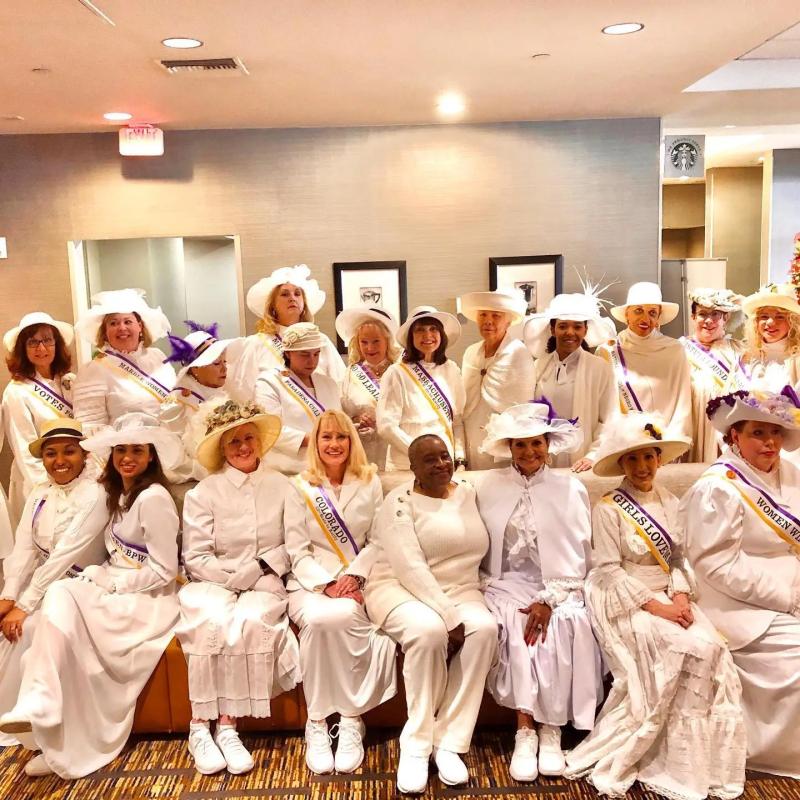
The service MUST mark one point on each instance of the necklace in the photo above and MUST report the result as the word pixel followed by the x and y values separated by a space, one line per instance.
pixel 379 369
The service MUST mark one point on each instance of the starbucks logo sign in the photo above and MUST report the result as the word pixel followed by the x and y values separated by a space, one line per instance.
pixel 684 154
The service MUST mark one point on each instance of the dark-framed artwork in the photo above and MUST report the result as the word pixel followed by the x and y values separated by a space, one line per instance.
pixel 370 283
pixel 539 278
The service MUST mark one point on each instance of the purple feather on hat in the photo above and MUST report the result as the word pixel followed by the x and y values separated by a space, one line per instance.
pixel 193 326
pixel 551 411
pixel 182 351
pixel 791 394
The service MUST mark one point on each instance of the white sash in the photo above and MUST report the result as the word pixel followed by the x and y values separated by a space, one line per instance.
pixel 435 396
pixel 655 537
pixel 117 362
pixel 365 377
pixel 274 343
pixel 298 393
pixel 628 401
pixel 44 394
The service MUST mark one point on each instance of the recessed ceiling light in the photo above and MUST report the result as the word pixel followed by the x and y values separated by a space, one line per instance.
pixel 730 126
pixel 117 116
pixel 620 28
pixel 451 104
pixel 181 42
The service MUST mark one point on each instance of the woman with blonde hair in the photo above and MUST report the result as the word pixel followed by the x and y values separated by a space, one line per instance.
pixel 348 664
pixel 369 333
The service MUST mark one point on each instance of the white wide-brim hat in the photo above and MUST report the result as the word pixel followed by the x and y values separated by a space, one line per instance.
pixel 634 431
pixel 646 293
pixel 526 420
pixel 351 319
pixel 136 427
pixel 37 318
pixel 574 307
pixel 206 349
pixel 508 301
pixel 774 409
pixel 225 415
pixel 298 275
pixel 302 336
pixel 122 301
pixel 450 323
pixel 780 295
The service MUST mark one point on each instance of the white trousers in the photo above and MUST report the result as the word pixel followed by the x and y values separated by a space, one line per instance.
pixel 443 700
pixel 348 664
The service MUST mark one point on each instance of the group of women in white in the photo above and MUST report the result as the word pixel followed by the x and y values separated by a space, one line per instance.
pixel 287 564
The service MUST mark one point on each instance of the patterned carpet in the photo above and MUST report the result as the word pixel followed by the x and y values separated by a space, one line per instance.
pixel 162 768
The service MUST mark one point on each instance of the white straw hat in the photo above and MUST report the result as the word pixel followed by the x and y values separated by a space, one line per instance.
pixel 122 301
pixel 451 325
pixel 58 428
pixel 526 420
pixel 646 293
pixel 773 295
pixel 37 318
pixel 302 336
pixel 298 275
pixel 509 301
pixel 351 319
pixel 574 307
pixel 634 431
pixel 775 409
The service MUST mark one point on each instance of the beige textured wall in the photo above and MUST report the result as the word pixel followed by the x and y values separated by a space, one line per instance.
pixel 683 205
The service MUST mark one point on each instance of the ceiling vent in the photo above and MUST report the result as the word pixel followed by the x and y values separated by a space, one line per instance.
pixel 204 66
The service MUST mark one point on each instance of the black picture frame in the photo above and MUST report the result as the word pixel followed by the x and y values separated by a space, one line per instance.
pixel 528 281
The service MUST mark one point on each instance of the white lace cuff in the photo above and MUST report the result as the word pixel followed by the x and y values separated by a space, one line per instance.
pixel 557 590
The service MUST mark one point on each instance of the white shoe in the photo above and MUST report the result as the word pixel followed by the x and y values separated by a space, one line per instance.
pixel 16 721
pixel 208 758
pixel 319 756
pixel 350 750
pixel 412 773
pixel 452 770
pixel 37 767
pixel 551 757
pixel 523 765
pixel 236 755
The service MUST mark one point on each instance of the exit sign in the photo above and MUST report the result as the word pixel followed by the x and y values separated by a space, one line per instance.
pixel 141 140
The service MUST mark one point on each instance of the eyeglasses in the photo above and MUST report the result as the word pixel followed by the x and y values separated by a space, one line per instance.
pixel 33 344
pixel 716 316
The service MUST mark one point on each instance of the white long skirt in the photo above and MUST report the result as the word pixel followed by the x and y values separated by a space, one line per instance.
pixel 769 669
pixel 11 675
pixel 239 649
pixel 90 658
pixel 348 664
pixel 556 681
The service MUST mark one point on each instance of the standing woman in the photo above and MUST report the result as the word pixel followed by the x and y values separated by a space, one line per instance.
pixel 576 383
pixel 715 360
pixel 127 374
pixel 497 371
pixel 288 296
pixel 370 334
pixel 99 638
pixel 743 517
pixel 549 670
pixel 673 720
pixel 424 392
pixel 348 664
pixel 297 394
pixel 39 361
pixel 650 370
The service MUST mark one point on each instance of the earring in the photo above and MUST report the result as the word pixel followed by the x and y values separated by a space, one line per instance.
pixel 548 460
pixel 735 450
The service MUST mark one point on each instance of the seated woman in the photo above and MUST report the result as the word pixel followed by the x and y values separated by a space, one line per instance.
pixel 61 532
pixel 98 638
pixel 423 393
pixel 549 670
pixel 673 720
pixel 424 591
pixel 39 390
pixel 372 349
pixel 348 665
pixel 234 630
pixel 297 395
pixel 744 542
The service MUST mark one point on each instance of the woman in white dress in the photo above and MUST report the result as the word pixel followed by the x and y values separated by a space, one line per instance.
pixel 60 533
pixel 576 383
pixel 424 392
pixel 372 349
pixel 288 296
pixel 650 370
pixel 715 360
pixel 743 519
pixel 297 394
pixel 126 374
pixel 234 630
pixel 673 719
pixel 40 390
pixel 424 591
pixel 497 371
pixel 549 669
pixel 99 637
pixel 348 664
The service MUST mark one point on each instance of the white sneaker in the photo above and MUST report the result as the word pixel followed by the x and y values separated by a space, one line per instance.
pixel 37 767
pixel 523 765
pixel 452 770
pixel 412 773
pixel 551 757
pixel 208 758
pixel 350 750
pixel 236 755
pixel 319 756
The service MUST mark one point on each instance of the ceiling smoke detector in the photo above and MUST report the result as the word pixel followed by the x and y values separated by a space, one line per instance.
pixel 204 66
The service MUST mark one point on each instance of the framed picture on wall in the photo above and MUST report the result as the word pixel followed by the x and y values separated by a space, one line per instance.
pixel 370 283
pixel 539 278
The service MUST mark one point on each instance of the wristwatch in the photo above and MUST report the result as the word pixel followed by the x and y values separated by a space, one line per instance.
pixel 360 580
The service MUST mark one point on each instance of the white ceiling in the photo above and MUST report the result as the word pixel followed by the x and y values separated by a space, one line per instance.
pixel 382 62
